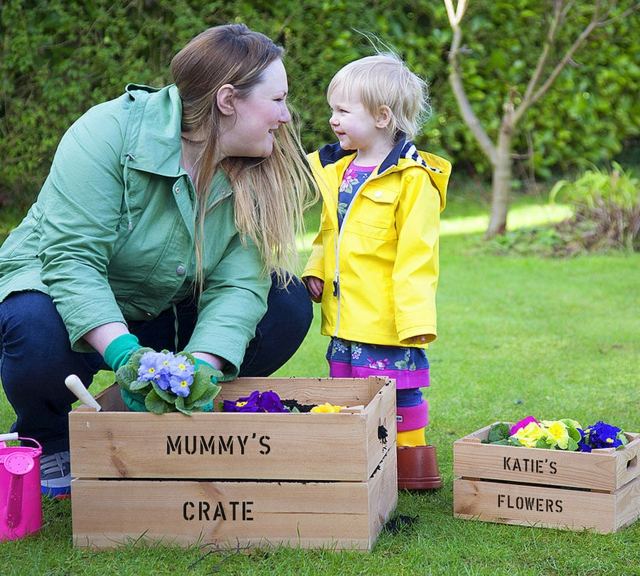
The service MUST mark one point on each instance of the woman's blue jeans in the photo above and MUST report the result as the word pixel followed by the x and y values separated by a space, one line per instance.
pixel 36 356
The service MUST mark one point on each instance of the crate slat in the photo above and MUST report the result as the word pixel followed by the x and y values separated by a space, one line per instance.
pixel 338 515
pixel 121 444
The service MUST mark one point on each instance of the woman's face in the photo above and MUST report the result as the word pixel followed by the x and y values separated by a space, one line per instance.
pixel 249 132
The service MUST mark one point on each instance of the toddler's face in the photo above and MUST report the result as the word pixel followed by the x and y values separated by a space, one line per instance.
pixel 352 123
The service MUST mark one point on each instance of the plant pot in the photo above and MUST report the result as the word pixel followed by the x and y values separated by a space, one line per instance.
pixel 418 468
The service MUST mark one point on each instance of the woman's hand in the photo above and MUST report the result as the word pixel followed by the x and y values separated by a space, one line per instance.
pixel 315 286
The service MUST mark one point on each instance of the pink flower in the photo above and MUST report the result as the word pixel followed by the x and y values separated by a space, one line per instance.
pixel 378 364
pixel 522 424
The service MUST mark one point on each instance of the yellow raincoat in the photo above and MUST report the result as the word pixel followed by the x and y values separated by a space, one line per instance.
pixel 381 268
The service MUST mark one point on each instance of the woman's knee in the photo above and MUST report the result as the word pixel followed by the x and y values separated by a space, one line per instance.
pixel 30 319
pixel 290 308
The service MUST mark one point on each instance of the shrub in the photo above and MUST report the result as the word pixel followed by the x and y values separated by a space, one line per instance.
pixel 607 209
pixel 60 57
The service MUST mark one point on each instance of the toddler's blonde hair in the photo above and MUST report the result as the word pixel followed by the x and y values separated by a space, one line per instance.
pixel 385 80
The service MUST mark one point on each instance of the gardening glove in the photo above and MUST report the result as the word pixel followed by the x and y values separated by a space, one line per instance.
pixel 133 401
pixel 120 349
pixel 214 379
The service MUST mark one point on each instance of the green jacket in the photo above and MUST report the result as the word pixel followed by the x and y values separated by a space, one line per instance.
pixel 111 235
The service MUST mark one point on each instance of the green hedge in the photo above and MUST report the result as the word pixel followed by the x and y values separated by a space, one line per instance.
pixel 58 58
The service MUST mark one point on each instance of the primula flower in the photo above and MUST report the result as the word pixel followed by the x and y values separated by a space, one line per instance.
pixel 529 435
pixel 270 402
pixel 180 366
pixel 167 371
pixel 326 408
pixel 602 435
pixel 161 382
pixel 521 424
pixel 256 402
pixel 150 366
pixel 556 433
pixel 180 386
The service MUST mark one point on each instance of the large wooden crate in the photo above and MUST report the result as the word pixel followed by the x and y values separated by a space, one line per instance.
pixel 548 488
pixel 238 479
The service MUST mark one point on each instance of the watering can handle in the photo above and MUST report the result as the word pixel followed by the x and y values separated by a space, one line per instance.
pixel 14 501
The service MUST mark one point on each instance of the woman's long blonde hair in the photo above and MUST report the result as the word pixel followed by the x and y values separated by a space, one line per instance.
pixel 270 194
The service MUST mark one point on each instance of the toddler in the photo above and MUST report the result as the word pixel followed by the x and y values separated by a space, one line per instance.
pixel 374 264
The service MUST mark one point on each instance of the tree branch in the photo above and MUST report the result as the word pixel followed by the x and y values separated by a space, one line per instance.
pixel 593 24
pixel 455 79
pixel 560 12
pixel 558 15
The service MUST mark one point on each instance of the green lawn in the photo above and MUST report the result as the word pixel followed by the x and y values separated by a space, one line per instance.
pixel 517 336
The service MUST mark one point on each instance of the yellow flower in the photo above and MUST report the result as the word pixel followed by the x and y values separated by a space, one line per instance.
pixel 326 408
pixel 556 433
pixel 529 435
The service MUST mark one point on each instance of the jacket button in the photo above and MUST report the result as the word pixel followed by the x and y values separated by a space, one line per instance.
pixel 180 270
pixel 378 194
pixel 148 314
pixel 177 189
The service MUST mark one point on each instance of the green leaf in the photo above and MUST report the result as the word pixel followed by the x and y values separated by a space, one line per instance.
pixel 543 443
pixel 623 438
pixel 504 442
pixel 155 404
pixel 207 397
pixel 126 375
pixel 140 386
pixel 572 445
pixel 167 396
pixel 497 432
pixel 180 405
pixel 103 379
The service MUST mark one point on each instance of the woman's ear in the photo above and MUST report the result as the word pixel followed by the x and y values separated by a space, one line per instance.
pixel 383 117
pixel 225 100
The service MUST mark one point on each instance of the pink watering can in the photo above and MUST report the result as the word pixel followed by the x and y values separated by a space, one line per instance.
pixel 20 497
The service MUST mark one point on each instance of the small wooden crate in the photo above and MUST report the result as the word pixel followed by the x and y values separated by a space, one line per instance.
pixel 238 479
pixel 548 488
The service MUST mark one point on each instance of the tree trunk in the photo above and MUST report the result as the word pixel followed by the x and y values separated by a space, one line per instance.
pixel 501 183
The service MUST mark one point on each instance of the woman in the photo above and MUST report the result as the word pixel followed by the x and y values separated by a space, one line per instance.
pixel 162 219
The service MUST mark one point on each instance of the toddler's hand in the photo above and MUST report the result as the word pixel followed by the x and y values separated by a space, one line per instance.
pixel 315 286
pixel 419 340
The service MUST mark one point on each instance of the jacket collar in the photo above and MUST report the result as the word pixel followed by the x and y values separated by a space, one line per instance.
pixel 403 149
pixel 152 142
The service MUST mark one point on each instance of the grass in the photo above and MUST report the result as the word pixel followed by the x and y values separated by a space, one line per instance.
pixel 517 336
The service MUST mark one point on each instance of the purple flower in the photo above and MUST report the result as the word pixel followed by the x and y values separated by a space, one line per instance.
pixel 150 366
pixel 168 371
pixel 255 402
pixel 180 386
pixel 180 366
pixel 602 435
pixel 270 402
pixel 244 404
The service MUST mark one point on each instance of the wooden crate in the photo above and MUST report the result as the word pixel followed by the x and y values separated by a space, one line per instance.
pixel 548 488
pixel 238 479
